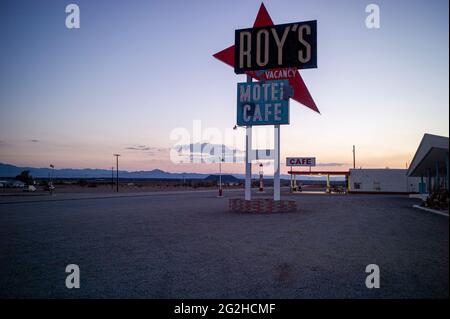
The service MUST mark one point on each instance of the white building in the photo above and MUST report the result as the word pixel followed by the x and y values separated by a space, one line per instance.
pixel 382 181
pixel 429 170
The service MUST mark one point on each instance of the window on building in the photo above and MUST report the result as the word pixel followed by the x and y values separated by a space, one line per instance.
pixel 357 185
pixel 376 186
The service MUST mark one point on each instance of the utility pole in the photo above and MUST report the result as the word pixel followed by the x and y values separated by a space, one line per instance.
pixel 117 171
pixel 112 177
pixel 354 162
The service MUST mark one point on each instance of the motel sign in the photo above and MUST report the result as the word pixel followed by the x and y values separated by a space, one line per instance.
pixel 276 46
pixel 263 103
pixel 271 54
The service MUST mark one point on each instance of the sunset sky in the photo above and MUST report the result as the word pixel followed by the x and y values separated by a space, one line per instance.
pixel 136 70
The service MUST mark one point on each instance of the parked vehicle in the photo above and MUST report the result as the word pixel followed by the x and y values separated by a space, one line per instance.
pixel 29 188
pixel 49 188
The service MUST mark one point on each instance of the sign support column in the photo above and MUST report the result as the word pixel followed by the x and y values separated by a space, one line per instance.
pixel 248 162
pixel 276 175
pixel 292 180
pixel 295 182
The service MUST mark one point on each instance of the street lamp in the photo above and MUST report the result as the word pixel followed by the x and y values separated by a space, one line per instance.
pixel 235 127
pixel 51 174
pixel 51 178
pixel 117 171
pixel 261 177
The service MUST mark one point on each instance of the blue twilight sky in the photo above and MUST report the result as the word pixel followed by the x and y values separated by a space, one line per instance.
pixel 136 70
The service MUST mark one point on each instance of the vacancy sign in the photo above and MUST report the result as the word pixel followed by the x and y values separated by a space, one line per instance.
pixel 263 103
pixel 300 161
pixel 276 74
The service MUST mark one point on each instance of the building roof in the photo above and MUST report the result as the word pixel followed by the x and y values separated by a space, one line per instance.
pixel 432 149
pixel 318 172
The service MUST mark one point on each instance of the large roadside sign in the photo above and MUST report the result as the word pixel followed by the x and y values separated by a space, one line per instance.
pixel 276 46
pixel 300 161
pixel 271 54
pixel 263 103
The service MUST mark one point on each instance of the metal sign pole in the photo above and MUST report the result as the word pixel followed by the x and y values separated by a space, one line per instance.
pixel 292 181
pixel 295 181
pixel 248 162
pixel 220 177
pixel 276 175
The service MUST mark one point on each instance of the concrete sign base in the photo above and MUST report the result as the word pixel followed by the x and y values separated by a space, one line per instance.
pixel 263 205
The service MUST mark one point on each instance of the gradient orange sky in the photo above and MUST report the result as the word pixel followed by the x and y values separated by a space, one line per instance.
pixel 136 70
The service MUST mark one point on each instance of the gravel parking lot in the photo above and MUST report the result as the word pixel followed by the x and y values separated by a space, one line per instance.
pixel 188 245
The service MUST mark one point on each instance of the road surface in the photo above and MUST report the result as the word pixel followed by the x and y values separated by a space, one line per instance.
pixel 188 245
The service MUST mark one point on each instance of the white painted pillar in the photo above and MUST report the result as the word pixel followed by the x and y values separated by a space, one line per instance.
pixel 276 175
pixel 248 162
pixel 328 183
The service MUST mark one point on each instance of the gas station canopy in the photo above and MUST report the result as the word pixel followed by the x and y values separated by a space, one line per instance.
pixel 432 154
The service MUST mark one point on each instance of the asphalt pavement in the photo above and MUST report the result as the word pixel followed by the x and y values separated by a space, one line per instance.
pixel 188 245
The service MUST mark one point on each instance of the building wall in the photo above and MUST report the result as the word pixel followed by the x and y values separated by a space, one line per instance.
pixel 383 181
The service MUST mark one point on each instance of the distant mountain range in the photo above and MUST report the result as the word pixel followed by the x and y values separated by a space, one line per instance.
pixel 11 171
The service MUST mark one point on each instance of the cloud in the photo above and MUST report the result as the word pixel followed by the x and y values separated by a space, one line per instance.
pixel 331 164
pixel 138 148
pixel 208 153
pixel 208 148
pixel 158 152
pixel 34 141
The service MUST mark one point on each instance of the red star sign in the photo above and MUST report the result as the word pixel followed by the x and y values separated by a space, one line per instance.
pixel 301 93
